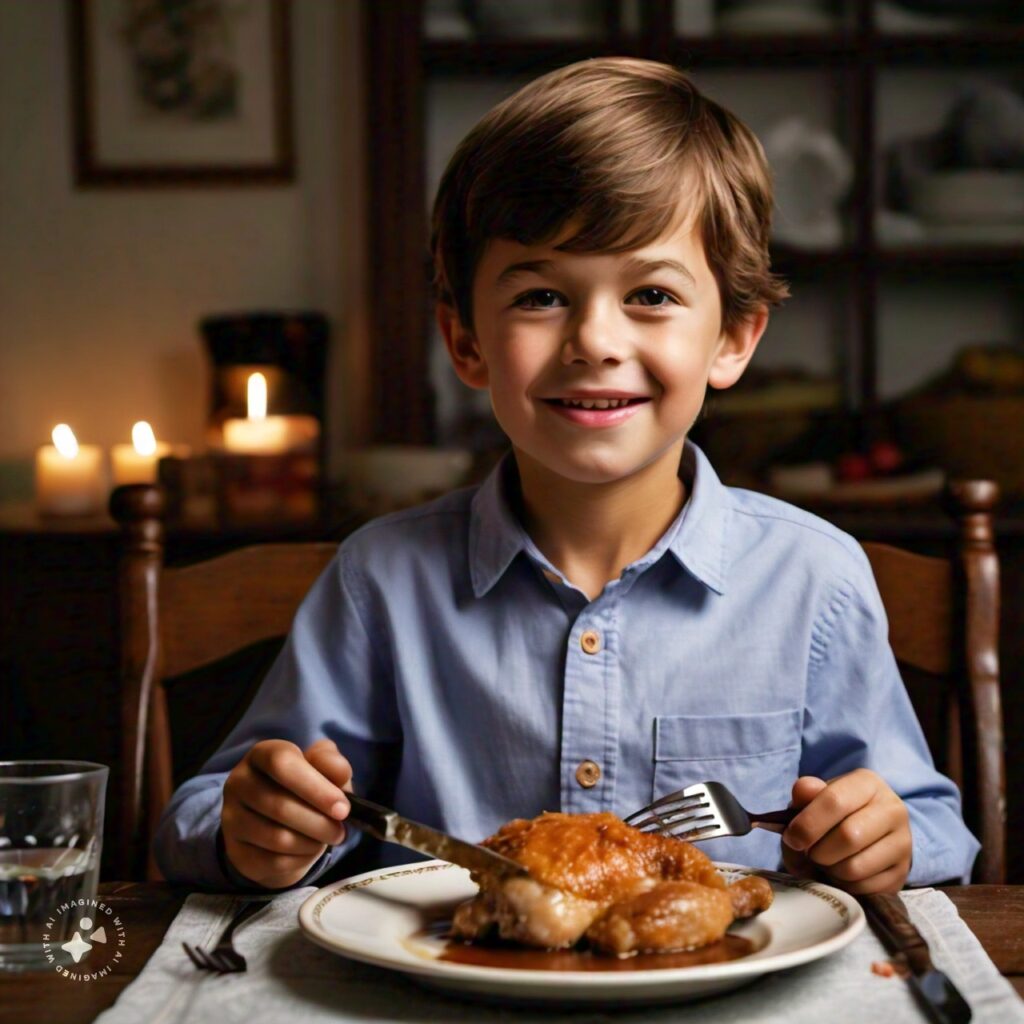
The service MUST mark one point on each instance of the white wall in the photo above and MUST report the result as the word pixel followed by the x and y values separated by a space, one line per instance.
pixel 101 290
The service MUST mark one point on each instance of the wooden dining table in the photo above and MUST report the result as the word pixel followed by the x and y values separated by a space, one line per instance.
pixel 995 913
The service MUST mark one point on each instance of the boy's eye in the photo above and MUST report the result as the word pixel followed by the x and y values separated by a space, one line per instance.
pixel 539 298
pixel 652 297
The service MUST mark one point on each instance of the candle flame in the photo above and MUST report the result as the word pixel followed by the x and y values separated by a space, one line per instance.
pixel 257 396
pixel 143 438
pixel 64 440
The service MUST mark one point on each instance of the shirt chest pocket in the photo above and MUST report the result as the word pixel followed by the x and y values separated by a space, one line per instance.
pixel 756 756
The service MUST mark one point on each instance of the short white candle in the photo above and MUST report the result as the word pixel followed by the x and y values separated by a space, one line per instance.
pixel 260 434
pixel 136 463
pixel 70 478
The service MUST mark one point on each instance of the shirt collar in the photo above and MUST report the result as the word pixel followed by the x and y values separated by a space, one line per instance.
pixel 496 535
pixel 696 538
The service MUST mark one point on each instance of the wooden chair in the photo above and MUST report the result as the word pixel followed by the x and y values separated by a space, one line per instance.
pixel 943 619
pixel 173 621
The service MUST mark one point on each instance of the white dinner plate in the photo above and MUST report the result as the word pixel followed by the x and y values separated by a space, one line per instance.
pixel 383 917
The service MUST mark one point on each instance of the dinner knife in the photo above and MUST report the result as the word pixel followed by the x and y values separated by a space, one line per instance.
pixel 938 996
pixel 390 827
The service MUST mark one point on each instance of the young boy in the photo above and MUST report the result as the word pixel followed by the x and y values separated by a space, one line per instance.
pixel 602 621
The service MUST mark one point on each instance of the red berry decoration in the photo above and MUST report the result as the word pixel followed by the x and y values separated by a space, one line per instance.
pixel 885 457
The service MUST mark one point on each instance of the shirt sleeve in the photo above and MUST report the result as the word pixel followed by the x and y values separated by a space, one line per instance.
pixel 331 679
pixel 858 715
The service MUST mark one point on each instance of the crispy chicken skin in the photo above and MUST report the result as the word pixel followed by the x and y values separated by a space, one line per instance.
pixel 593 875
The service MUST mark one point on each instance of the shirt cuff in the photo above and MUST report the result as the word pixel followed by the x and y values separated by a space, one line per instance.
pixel 933 861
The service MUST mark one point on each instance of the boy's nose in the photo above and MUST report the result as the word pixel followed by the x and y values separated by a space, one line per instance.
pixel 595 337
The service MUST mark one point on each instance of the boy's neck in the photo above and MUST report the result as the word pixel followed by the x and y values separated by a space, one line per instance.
pixel 591 532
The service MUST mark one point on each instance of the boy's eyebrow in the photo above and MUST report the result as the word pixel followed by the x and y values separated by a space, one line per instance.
pixel 641 266
pixel 634 265
pixel 525 267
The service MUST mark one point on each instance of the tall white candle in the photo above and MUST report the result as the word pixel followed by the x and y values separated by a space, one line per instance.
pixel 70 478
pixel 136 463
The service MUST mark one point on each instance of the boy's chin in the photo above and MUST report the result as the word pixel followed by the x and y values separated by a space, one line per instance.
pixel 593 471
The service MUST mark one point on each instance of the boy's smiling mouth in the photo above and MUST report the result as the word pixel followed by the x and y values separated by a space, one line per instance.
pixel 596 409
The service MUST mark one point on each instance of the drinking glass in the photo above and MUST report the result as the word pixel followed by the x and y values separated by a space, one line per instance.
pixel 51 837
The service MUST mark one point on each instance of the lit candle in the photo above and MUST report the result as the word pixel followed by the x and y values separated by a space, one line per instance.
pixel 70 478
pixel 136 463
pixel 260 434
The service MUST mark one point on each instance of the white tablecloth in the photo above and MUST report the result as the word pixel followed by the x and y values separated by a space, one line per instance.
pixel 292 981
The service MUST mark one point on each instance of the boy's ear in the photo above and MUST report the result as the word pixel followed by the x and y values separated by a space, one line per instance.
pixel 463 348
pixel 736 350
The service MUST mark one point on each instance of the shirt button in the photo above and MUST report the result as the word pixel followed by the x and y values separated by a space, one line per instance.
pixel 590 642
pixel 588 773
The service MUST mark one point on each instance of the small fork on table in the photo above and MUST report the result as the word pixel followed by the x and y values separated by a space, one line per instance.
pixel 224 958
pixel 704 811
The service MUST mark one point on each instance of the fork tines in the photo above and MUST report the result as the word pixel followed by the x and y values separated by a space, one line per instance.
pixel 217 960
pixel 678 816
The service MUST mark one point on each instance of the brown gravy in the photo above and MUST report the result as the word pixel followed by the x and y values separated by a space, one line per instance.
pixel 510 956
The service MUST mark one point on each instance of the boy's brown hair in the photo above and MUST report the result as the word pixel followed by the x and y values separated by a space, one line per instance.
pixel 612 144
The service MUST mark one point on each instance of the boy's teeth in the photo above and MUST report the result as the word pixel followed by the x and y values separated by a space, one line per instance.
pixel 595 403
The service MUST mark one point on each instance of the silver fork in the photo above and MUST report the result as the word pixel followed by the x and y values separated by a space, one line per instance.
pixel 224 958
pixel 704 811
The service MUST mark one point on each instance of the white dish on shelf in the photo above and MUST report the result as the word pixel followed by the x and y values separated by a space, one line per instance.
pixel 384 918
pixel 777 17
pixel 402 472
pixel 971 197
pixel 1009 233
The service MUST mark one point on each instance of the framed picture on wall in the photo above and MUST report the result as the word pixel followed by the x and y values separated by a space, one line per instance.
pixel 181 92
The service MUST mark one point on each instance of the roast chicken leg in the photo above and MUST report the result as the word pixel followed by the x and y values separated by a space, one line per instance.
pixel 592 875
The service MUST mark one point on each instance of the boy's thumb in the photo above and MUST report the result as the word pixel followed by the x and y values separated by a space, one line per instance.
pixel 325 757
pixel 805 789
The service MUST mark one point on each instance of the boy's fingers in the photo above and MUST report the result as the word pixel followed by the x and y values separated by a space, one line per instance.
pixel 888 852
pixel 890 880
pixel 249 826
pixel 838 800
pixel 854 833
pixel 329 761
pixel 859 830
pixel 285 763
pixel 272 801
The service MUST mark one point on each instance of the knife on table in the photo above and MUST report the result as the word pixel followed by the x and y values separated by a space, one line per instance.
pixel 390 827
pixel 938 996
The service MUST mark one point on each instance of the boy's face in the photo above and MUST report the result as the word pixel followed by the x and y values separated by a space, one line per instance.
pixel 597 364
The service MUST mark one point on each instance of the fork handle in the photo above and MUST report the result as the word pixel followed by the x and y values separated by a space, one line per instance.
pixel 243 915
pixel 774 821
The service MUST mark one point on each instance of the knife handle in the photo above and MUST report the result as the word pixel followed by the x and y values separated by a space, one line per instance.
pixel 369 817
pixel 897 932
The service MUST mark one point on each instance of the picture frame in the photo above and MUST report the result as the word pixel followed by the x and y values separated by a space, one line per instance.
pixel 181 92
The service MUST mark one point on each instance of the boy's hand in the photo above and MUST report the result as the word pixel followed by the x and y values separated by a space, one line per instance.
pixel 854 829
pixel 282 806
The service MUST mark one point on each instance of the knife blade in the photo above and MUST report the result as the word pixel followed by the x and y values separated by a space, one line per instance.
pixel 390 827
pixel 938 996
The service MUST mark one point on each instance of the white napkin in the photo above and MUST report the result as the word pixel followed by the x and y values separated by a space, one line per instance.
pixel 290 979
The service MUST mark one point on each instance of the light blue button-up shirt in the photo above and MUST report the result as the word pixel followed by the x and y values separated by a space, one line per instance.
pixel 445 655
